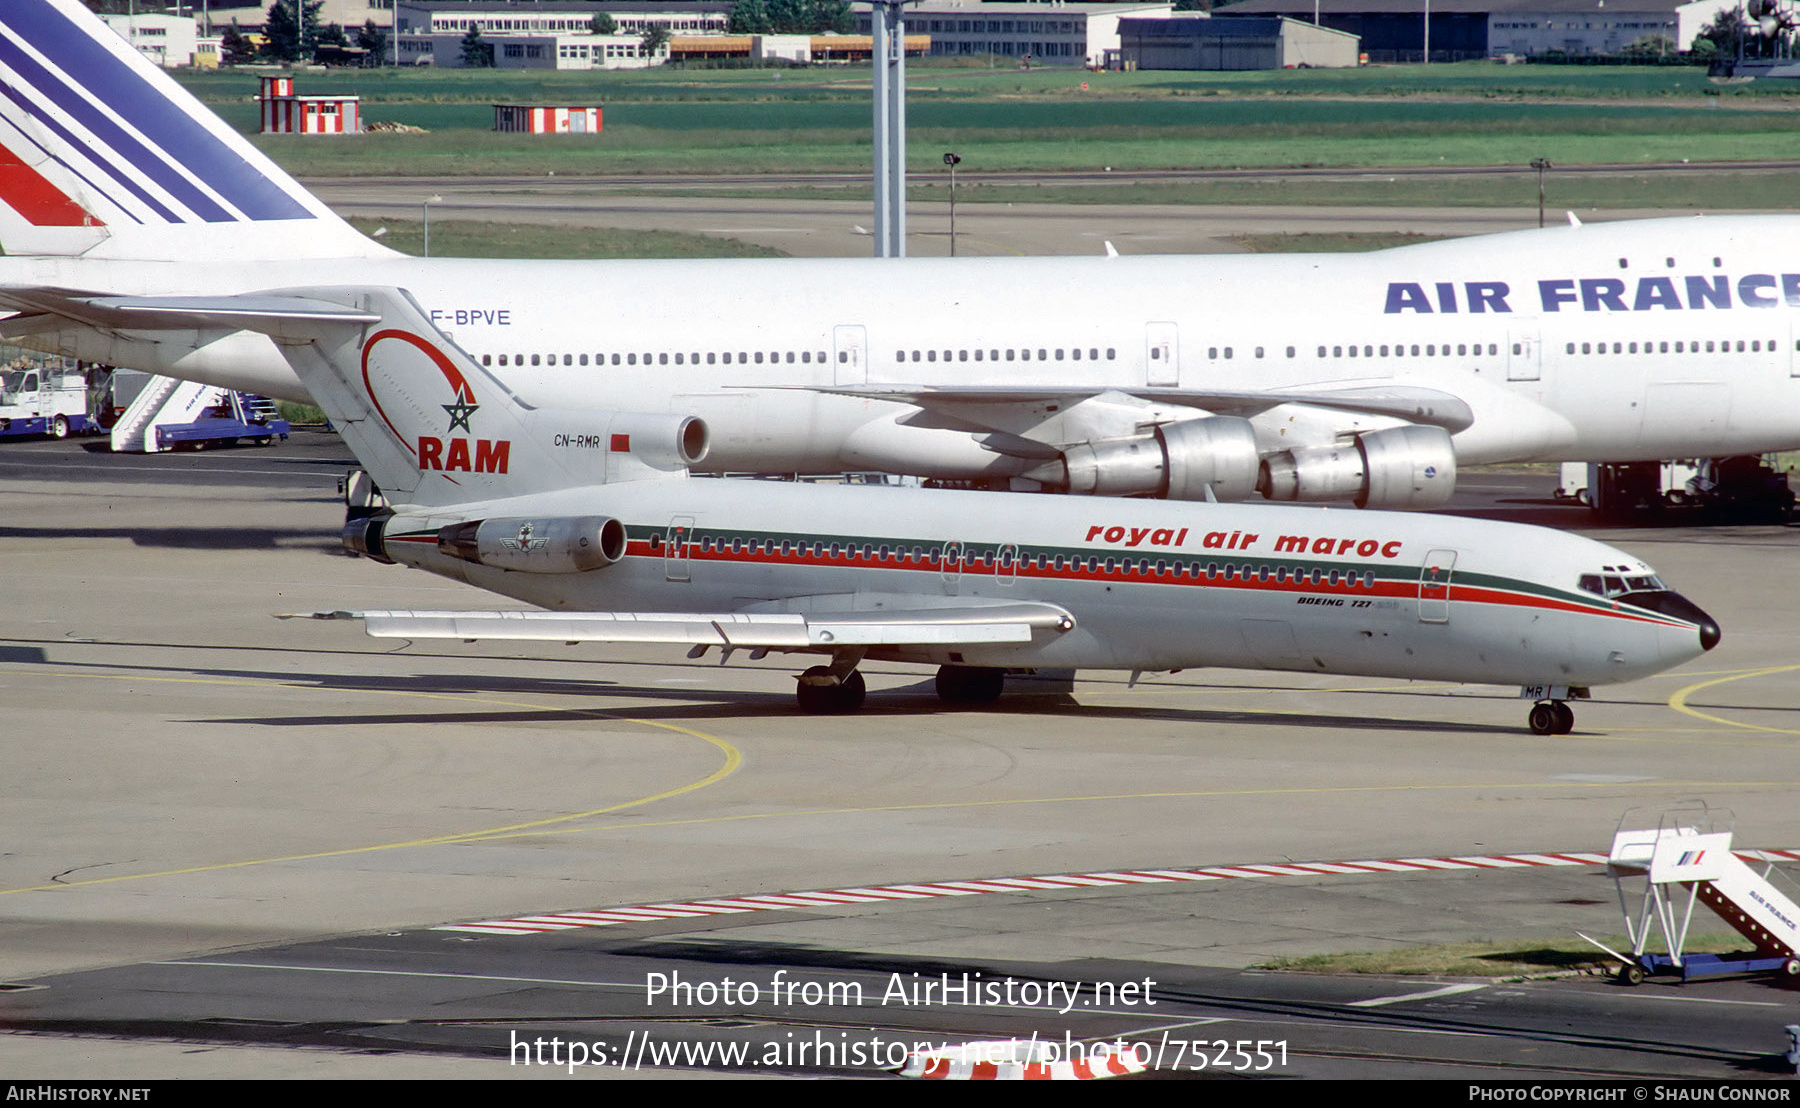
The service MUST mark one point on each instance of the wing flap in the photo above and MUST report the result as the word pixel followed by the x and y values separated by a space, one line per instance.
pixel 1007 623
pixel 1413 403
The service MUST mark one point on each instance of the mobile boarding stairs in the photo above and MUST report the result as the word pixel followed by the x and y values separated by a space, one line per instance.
pixel 1685 861
pixel 168 414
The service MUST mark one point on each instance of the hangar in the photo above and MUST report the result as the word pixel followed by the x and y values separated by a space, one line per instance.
pixel 1462 30
pixel 1197 42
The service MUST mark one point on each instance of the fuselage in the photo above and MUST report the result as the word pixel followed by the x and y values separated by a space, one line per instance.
pixel 1152 585
pixel 1627 341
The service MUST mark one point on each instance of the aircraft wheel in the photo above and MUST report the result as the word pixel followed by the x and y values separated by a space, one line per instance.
pixel 1565 717
pixel 1631 975
pixel 819 693
pixel 1543 719
pixel 59 427
pixel 969 684
pixel 1791 967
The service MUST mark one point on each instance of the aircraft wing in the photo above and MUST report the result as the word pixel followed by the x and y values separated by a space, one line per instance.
pixel 1413 403
pixel 996 623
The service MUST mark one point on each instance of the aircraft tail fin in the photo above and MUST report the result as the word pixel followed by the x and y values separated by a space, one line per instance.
pixel 103 155
pixel 432 426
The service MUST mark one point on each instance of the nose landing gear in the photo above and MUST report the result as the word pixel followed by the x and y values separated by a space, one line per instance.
pixel 1551 717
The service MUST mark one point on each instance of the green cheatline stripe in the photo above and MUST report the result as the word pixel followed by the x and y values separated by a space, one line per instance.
pixel 1247 570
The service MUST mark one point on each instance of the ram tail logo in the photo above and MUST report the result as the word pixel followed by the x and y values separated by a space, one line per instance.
pixel 394 371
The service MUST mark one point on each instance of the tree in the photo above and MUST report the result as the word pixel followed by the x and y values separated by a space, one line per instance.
pixel 235 48
pixel 476 54
pixel 1650 46
pixel 655 37
pixel 603 24
pixel 1720 38
pixel 790 17
pixel 291 30
pixel 750 17
pixel 373 39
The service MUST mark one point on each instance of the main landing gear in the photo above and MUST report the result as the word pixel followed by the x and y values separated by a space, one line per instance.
pixel 838 689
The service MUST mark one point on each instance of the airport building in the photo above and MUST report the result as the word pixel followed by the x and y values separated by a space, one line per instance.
pixel 1394 30
pixel 1044 34
pixel 548 36
pixel 167 40
pixel 1194 41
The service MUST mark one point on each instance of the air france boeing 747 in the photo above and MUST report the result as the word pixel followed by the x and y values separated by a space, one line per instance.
pixel 1312 378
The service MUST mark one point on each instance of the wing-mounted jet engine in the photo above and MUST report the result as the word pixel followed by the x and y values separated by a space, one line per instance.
pixel 1386 446
pixel 1401 467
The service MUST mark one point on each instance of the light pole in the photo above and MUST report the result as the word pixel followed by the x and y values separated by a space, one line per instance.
pixel 425 207
pixel 951 160
pixel 1541 164
pixel 887 26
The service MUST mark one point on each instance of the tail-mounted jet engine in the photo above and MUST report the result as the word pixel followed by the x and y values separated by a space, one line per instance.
pixel 1179 461
pixel 544 545
pixel 1401 467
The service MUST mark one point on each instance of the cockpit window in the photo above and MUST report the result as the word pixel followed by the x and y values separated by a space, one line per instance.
pixel 1612 584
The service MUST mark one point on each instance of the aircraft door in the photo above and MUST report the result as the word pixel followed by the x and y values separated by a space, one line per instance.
pixel 1522 354
pixel 1162 355
pixel 950 565
pixel 850 355
pixel 1006 564
pixel 675 548
pixel 1434 586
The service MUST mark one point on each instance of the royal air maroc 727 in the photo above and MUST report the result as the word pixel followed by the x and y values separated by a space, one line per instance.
pixel 592 517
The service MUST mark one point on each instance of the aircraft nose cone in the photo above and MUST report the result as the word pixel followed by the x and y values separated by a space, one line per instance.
pixel 1674 604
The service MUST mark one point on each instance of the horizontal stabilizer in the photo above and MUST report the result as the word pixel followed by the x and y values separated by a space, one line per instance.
pixel 255 312
pixel 736 630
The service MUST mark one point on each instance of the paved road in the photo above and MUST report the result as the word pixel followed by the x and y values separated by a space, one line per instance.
pixel 840 228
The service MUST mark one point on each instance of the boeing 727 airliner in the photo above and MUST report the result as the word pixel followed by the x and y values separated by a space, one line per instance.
pixel 589 516
pixel 1300 378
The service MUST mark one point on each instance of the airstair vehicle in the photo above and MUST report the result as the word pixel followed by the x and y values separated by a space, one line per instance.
pixel 1687 860
pixel 168 414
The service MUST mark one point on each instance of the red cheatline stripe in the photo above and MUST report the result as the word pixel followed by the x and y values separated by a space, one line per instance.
pixel 25 191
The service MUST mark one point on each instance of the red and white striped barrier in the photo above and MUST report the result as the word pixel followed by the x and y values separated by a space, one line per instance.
pixel 1019 1060
pixel 838 898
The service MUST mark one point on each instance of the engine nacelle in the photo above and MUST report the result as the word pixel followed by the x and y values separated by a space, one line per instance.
pixel 1401 467
pixel 543 545
pixel 1179 461
pixel 364 535
pixel 601 447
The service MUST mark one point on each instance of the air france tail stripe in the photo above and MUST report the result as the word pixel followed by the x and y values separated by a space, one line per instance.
pixel 12 58
pixel 149 111
pixel 25 191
